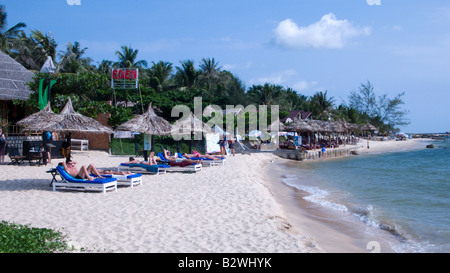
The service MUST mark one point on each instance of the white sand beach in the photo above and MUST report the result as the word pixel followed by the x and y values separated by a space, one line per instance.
pixel 220 209
pixel 228 208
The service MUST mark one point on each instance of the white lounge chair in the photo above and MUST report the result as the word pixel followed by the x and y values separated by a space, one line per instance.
pixel 70 183
pixel 142 168
pixel 131 180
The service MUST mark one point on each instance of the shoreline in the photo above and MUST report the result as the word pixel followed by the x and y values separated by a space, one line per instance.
pixel 241 207
pixel 334 232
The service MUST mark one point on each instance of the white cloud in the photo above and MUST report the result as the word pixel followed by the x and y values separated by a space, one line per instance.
pixel 304 85
pixel 279 78
pixel 326 33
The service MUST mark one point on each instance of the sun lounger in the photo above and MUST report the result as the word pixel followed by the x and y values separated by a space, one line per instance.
pixel 207 161
pixel 182 167
pixel 143 168
pixel 68 182
pixel 131 180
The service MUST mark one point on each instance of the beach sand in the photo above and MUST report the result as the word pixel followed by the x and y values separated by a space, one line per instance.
pixel 220 209
pixel 235 208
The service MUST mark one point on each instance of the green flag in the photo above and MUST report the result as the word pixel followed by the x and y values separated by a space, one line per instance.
pixel 43 95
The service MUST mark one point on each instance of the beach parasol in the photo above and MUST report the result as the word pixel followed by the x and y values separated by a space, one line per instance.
pixel 69 121
pixel 273 125
pixel 147 123
pixel 44 116
pixel 299 126
pixel 189 125
pixel 368 127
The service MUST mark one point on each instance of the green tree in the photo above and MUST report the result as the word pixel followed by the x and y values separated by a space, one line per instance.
pixel 209 73
pixel 72 60
pixel 265 94
pixel 160 73
pixel 320 105
pixel 7 35
pixel 127 58
pixel 186 75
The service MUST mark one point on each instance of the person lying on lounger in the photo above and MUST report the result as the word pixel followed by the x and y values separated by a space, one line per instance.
pixel 196 155
pixel 152 161
pixel 113 172
pixel 83 173
pixel 171 158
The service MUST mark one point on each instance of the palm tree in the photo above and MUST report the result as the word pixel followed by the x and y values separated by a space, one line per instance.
pixel 72 60
pixel 127 58
pixel 159 74
pixel 104 67
pixel 265 94
pixel 210 72
pixel 186 75
pixel 7 35
pixel 321 106
pixel 45 42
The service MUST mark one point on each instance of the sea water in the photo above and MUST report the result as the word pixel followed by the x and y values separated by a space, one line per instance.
pixel 406 193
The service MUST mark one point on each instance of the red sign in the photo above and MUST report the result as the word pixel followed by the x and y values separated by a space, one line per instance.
pixel 125 78
pixel 120 74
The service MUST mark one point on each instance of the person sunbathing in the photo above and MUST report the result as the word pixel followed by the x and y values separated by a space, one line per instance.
pixel 196 155
pixel 83 173
pixel 113 172
pixel 172 158
pixel 132 160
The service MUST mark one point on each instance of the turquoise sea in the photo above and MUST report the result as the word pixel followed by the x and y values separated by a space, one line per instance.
pixel 406 193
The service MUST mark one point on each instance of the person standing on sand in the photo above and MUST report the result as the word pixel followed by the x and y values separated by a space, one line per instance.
pixel 2 146
pixel 324 151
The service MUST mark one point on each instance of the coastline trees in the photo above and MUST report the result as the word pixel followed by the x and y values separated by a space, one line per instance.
pixel 165 85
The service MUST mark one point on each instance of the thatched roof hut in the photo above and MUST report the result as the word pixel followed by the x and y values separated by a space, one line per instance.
pixel 299 125
pixel 13 79
pixel 147 123
pixel 368 127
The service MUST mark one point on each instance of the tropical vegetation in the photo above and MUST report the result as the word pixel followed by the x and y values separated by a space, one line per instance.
pixel 167 84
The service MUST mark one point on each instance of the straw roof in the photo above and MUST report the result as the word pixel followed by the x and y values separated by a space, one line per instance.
pixel 42 116
pixel 281 127
pixel 148 123
pixel 69 121
pixel 190 124
pixel 299 126
pixel 13 79
pixel 368 127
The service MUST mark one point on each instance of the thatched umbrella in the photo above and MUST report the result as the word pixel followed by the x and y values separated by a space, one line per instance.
pixel 299 126
pixel 368 127
pixel 188 126
pixel 69 121
pixel 273 125
pixel 147 123
pixel 41 117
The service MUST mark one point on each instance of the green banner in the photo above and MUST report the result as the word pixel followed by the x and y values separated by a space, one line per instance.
pixel 43 95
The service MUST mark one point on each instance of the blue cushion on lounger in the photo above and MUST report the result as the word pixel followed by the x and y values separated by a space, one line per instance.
pixel 72 179
pixel 133 175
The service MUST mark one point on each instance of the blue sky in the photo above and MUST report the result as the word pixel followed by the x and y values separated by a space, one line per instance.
pixel 399 46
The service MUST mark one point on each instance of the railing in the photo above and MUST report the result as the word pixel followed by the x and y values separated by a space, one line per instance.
pixel 16 130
